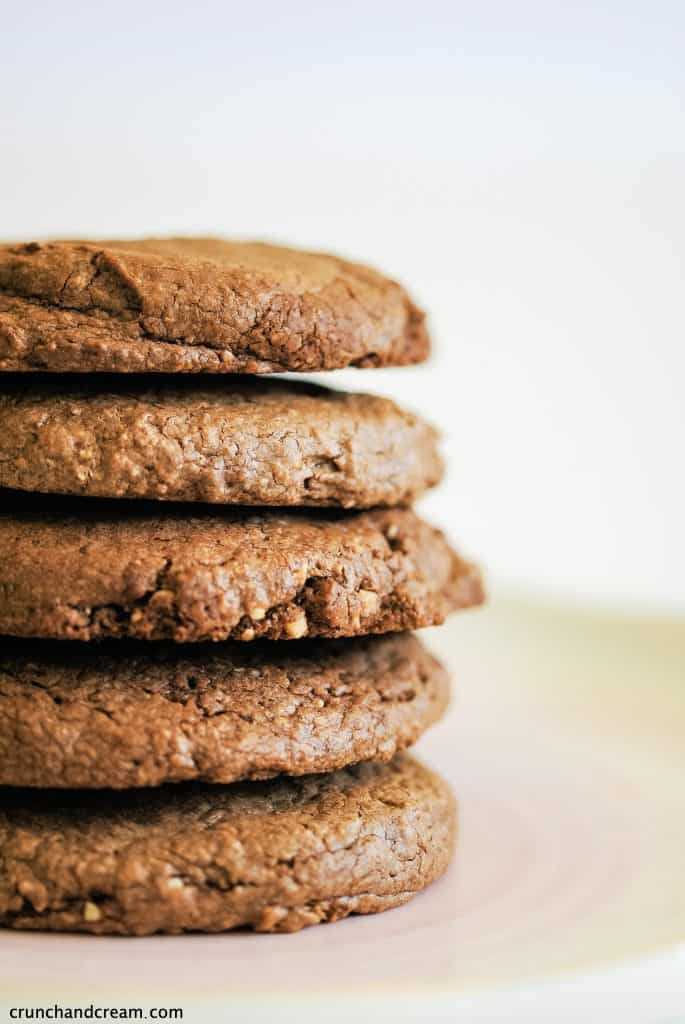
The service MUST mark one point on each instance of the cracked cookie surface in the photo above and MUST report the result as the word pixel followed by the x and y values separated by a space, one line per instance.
pixel 273 856
pixel 242 441
pixel 120 715
pixel 94 569
pixel 198 305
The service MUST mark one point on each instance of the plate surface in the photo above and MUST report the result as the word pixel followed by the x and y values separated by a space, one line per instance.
pixel 565 746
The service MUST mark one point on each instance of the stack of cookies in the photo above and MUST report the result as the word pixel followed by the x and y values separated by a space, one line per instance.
pixel 209 578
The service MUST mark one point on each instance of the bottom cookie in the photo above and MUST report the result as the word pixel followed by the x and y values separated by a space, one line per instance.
pixel 273 856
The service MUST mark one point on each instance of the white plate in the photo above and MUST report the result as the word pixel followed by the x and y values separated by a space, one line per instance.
pixel 566 748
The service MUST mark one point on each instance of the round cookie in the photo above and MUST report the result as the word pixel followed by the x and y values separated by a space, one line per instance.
pixel 189 305
pixel 124 715
pixel 251 442
pixel 273 856
pixel 94 569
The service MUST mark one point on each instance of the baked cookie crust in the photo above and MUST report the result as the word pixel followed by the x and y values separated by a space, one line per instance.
pixel 191 305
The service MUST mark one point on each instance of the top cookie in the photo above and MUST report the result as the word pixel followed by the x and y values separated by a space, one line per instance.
pixel 191 305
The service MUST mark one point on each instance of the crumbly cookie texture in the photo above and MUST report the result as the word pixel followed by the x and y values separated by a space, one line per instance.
pixel 94 569
pixel 274 856
pixel 245 441
pixel 121 715
pixel 198 305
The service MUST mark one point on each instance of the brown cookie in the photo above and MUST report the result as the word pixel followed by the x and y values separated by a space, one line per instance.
pixel 94 569
pixel 187 305
pixel 121 715
pixel 273 856
pixel 239 441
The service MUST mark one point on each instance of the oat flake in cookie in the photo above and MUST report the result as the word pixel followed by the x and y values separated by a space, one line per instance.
pixel 123 714
pixel 93 569
pixel 189 305
pixel 222 440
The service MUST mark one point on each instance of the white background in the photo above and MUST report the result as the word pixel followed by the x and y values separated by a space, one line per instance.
pixel 518 165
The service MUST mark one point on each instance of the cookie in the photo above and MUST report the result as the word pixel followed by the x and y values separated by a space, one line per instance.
pixel 121 715
pixel 274 856
pixel 93 569
pixel 236 441
pixel 189 305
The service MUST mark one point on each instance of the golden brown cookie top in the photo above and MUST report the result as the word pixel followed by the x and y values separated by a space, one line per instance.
pixel 198 304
